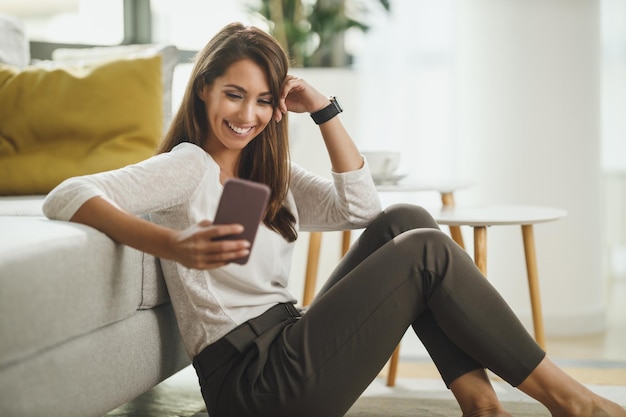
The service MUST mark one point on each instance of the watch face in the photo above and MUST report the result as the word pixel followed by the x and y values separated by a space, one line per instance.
pixel 336 103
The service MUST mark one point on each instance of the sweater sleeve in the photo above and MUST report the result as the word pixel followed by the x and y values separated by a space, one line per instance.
pixel 162 181
pixel 348 201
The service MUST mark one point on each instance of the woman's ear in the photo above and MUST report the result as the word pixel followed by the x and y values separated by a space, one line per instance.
pixel 203 92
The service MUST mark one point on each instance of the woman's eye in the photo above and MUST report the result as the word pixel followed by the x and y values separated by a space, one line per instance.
pixel 234 96
pixel 265 101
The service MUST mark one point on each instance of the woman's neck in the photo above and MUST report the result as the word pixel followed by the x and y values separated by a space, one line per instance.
pixel 228 164
pixel 226 159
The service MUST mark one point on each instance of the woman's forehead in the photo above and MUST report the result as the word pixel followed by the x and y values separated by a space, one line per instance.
pixel 247 74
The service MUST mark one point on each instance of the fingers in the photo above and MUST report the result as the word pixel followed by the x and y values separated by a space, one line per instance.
pixel 292 94
pixel 230 252
pixel 298 96
pixel 220 243
pixel 278 115
pixel 207 246
pixel 221 230
pixel 282 108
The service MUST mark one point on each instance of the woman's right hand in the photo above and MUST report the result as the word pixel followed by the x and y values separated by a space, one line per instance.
pixel 196 247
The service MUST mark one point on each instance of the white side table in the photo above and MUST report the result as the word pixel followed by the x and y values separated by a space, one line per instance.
pixel 479 218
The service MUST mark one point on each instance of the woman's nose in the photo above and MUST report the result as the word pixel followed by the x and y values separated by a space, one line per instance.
pixel 246 111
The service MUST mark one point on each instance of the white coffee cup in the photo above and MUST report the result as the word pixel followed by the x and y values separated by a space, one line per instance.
pixel 382 163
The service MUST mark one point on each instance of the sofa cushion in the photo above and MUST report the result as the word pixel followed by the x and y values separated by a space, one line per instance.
pixel 59 280
pixel 98 54
pixel 67 121
pixel 153 288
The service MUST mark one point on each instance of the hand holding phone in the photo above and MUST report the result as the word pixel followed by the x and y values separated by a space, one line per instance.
pixel 242 202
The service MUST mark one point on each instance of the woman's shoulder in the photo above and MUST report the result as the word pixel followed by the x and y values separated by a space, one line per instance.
pixel 190 149
pixel 190 155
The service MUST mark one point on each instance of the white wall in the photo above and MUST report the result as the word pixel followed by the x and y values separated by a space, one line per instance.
pixel 529 132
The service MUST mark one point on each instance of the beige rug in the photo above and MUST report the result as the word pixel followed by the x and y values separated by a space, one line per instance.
pixel 414 407
pixel 592 373
pixel 420 407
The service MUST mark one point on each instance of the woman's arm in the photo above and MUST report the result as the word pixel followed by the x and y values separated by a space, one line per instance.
pixel 343 153
pixel 111 202
pixel 193 247
pixel 350 200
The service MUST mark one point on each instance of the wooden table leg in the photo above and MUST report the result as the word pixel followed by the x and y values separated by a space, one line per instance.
pixel 312 263
pixel 393 367
pixel 447 201
pixel 480 248
pixel 533 283
pixel 345 242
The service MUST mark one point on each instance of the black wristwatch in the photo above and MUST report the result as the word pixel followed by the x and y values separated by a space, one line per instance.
pixel 328 112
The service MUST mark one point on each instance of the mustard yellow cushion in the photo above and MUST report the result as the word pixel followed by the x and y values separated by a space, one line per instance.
pixel 57 123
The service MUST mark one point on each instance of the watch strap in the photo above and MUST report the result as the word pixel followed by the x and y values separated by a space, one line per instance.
pixel 328 112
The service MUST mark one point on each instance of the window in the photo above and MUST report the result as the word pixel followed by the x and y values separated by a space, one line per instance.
pixel 189 24
pixel 70 21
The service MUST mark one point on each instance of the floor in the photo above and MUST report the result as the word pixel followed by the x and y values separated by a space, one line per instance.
pixel 599 361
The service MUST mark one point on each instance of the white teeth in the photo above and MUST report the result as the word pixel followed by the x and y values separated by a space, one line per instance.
pixel 239 130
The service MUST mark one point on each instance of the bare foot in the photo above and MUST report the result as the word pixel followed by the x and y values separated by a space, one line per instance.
pixel 564 396
pixel 595 406
pixel 606 408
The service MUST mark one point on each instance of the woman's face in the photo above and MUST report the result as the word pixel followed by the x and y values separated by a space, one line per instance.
pixel 238 106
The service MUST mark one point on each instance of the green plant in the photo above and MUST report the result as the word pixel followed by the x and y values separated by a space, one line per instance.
pixel 312 31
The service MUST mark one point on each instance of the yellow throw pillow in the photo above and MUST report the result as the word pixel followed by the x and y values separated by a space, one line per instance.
pixel 61 122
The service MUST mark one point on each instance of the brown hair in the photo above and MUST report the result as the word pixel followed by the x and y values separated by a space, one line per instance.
pixel 266 158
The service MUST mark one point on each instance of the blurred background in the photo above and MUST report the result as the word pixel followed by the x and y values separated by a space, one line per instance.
pixel 525 99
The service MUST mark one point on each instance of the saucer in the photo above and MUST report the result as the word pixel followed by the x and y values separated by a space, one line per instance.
pixel 391 179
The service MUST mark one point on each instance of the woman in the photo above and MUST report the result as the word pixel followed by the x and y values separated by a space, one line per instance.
pixel 254 353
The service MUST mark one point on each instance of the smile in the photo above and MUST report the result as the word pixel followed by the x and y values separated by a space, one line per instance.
pixel 239 130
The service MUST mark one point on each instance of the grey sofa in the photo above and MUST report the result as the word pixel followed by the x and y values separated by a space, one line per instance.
pixel 85 323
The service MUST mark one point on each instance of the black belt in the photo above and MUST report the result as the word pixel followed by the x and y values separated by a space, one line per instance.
pixel 241 338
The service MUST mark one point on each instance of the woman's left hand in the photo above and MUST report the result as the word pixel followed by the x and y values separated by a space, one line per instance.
pixel 298 96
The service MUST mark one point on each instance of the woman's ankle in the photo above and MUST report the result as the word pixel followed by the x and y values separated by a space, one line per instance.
pixel 475 395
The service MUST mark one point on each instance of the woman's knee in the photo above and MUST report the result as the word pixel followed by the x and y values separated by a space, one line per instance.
pixel 432 248
pixel 394 221
pixel 408 216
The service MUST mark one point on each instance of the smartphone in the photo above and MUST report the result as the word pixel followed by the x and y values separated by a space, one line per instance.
pixel 242 202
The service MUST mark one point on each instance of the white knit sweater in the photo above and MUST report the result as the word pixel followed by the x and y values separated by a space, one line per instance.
pixel 182 187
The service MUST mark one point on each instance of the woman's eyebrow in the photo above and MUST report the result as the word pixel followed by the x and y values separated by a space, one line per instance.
pixel 243 90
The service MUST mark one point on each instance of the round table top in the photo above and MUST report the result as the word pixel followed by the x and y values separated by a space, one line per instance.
pixel 417 186
pixel 497 214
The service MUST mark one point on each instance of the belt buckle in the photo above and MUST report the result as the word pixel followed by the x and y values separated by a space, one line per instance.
pixel 293 312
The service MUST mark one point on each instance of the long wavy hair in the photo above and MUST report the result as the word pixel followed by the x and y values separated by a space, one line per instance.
pixel 266 158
